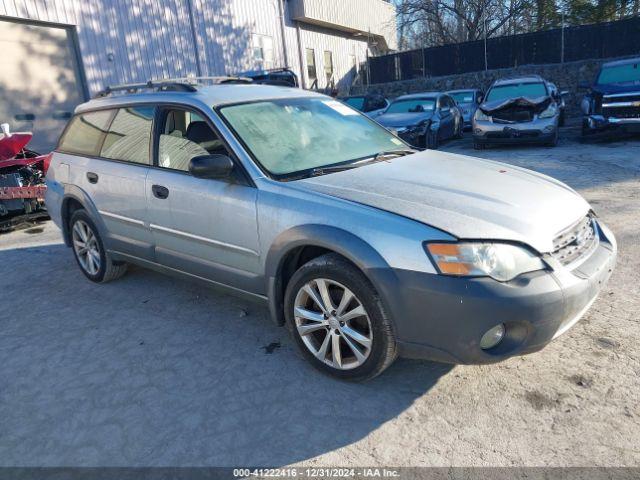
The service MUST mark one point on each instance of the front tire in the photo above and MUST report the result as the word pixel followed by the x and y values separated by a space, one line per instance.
pixel 94 261
pixel 460 130
pixel 338 321
pixel 431 140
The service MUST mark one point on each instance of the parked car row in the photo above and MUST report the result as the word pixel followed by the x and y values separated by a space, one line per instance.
pixel 527 109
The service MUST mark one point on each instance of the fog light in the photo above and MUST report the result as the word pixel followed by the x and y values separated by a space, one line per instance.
pixel 492 337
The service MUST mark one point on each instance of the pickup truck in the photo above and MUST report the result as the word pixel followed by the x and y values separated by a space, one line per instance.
pixel 612 103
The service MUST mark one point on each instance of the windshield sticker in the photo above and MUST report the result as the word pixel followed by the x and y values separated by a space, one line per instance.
pixel 339 107
pixel 396 141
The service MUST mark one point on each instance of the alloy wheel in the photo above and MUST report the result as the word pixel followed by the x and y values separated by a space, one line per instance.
pixel 86 246
pixel 333 324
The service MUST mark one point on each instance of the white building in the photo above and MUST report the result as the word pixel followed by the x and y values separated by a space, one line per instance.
pixel 57 53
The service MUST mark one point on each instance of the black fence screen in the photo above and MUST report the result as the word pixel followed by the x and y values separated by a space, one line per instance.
pixel 601 40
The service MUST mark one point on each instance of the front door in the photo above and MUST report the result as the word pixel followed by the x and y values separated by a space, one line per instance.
pixel 204 227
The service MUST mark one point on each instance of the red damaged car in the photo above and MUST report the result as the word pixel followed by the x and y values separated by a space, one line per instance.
pixel 22 186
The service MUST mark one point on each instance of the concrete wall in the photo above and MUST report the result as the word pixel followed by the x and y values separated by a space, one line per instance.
pixel 566 76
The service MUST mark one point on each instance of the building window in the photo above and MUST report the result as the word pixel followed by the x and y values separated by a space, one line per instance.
pixel 262 50
pixel 311 65
pixel 328 66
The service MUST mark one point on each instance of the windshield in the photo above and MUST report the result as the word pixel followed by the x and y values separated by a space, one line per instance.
pixel 412 105
pixel 462 97
pixel 355 102
pixel 620 74
pixel 531 90
pixel 296 135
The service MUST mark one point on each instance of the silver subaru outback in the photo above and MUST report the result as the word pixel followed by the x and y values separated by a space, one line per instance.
pixel 363 247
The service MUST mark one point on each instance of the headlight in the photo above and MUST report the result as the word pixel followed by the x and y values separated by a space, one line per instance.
pixel 481 116
pixel 420 128
pixel 500 261
pixel 549 112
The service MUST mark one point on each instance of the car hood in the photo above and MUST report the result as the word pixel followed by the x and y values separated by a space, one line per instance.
pixel 537 103
pixel 467 197
pixel 402 119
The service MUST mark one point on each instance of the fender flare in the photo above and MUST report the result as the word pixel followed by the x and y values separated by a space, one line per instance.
pixel 340 241
pixel 73 192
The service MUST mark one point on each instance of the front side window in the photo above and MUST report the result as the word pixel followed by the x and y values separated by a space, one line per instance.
pixel 295 135
pixel 129 135
pixel 529 89
pixel 413 105
pixel 629 73
pixel 355 102
pixel 185 135
pixel 85 133
pixel 462 97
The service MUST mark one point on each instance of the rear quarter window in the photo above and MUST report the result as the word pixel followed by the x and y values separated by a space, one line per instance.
pixel 85 133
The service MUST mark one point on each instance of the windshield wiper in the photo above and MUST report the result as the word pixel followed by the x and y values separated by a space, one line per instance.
pixel 392 153
pixel 348 166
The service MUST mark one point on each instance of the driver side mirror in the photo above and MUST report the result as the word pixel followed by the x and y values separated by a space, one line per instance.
pixel 480 98
pixel 211 166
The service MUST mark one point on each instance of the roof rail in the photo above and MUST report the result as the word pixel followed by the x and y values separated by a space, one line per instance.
pixel 182 84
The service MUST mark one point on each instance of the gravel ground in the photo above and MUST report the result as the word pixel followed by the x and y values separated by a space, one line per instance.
pixel 151 371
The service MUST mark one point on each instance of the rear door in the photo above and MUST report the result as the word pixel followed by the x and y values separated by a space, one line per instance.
pixel 204 227
pixel 110 163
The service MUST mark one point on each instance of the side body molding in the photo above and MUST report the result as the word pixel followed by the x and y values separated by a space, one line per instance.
pixel 356 250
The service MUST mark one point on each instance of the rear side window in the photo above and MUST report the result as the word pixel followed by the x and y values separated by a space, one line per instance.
pixel 85 133
pixel 129 135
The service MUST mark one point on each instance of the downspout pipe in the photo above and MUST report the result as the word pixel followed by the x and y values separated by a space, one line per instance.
pixel 282 33
pixel 195 38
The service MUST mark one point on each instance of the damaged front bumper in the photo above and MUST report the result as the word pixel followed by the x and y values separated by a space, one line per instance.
pixel 598 124
pixel 536 131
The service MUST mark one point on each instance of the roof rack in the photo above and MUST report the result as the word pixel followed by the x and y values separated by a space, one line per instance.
pixel 182 84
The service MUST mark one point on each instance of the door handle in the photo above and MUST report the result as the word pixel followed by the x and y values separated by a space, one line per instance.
pixel 160 192
pixel 92 177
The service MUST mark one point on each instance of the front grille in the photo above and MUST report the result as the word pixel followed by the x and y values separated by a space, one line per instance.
pixel 576 242
pixel 514 134
pixel 621 112
pixel 513 115
pixel 622 97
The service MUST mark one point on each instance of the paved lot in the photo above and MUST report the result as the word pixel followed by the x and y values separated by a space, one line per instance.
pixel 152 371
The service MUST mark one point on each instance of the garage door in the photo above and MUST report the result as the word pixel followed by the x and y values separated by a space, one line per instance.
pixel 39 81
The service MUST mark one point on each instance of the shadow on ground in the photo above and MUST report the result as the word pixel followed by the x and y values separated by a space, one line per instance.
pixel 150 370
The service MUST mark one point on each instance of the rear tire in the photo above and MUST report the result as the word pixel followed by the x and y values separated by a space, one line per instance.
pixel 314 313
pixel 92 258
